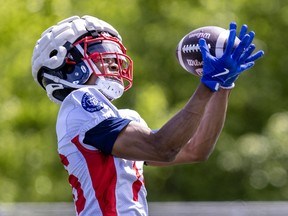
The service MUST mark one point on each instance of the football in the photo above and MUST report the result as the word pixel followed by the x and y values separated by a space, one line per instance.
pixel 188 52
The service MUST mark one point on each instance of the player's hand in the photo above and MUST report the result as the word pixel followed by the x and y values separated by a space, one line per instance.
pixel 246 56
pixel 225 70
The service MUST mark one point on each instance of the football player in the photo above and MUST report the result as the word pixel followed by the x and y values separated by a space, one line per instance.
pixel 83 65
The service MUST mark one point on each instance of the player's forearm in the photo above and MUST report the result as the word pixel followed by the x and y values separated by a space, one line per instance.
pixel 202 143
pixel 200 146
pixel 179 129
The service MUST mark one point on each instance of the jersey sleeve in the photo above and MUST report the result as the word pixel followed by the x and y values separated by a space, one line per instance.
pixel 86 113
pixel 104 135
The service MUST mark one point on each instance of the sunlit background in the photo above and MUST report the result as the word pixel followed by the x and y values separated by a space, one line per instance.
pixel 250 159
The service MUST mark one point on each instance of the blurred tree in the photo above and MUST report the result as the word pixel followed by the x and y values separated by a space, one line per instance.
pixel 249 161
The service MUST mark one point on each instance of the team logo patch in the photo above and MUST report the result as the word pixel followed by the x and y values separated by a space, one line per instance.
pixel 90 103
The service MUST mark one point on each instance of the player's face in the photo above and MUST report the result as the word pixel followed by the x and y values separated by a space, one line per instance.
pixel 107 66
pixel 108 61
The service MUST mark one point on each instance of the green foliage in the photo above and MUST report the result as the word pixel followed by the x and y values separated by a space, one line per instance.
pixel 249 161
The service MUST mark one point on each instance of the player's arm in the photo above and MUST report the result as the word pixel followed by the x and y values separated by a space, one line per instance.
pixel 136 142
pixel 201 145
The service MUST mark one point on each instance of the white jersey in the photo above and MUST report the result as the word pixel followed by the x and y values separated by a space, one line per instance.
pixel 102 184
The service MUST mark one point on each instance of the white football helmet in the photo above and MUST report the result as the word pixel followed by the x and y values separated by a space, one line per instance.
pixel 67 53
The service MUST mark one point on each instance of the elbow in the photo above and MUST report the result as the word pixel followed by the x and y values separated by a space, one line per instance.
pixel 198 154
pixel 201 152
pixel 200 157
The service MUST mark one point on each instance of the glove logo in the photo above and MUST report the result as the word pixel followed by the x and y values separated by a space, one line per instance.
pixel 226 71
pixel 90 103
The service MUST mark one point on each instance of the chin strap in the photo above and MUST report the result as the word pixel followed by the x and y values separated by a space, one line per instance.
pixel 110 88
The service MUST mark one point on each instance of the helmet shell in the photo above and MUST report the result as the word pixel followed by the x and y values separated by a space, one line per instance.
pixel 51 49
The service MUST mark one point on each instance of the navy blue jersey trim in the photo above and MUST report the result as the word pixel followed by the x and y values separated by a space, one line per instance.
pixel 104 135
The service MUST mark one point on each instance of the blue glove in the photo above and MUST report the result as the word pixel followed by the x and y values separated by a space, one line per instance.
pixel 246 56
pixel 223 71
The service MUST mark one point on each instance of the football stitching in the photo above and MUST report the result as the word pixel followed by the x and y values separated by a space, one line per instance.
pixel 192 48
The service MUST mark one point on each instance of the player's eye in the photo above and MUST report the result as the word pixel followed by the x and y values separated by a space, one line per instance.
pixel 110 60
pixel 95 57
